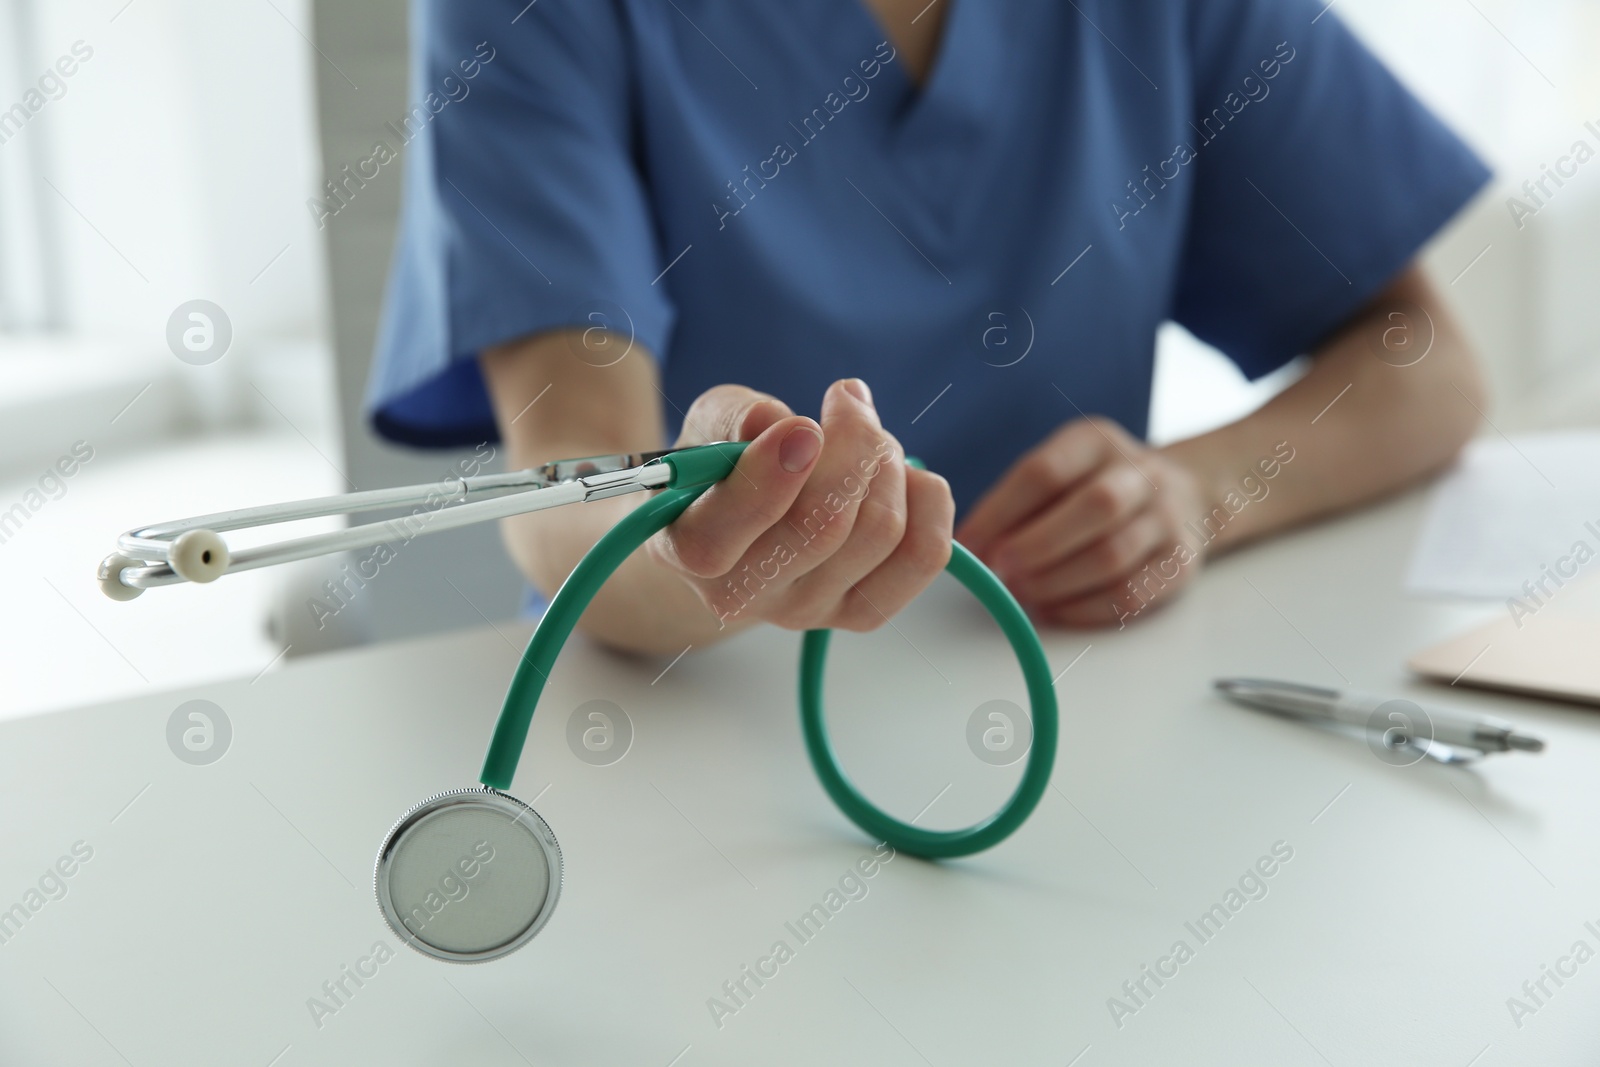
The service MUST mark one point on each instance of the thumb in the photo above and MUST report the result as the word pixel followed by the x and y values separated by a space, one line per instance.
pixel 729 413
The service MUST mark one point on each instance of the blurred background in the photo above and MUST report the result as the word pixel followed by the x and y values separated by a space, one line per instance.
pixel 156 154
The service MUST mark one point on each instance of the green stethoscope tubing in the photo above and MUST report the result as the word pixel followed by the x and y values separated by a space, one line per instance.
pixel 695 471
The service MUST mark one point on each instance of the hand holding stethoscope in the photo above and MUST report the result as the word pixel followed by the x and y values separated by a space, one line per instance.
pixel 481 835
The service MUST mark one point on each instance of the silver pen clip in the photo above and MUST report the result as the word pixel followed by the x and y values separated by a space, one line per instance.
pixel 1443 753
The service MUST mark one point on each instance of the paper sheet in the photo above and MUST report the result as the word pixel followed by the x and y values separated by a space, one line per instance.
pixel 1509 510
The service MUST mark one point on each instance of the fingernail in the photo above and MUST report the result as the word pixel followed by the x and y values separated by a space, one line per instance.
pixel 858 389
pixel 799 449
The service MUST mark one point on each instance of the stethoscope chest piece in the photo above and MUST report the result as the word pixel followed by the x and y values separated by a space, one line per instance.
pixel 468 876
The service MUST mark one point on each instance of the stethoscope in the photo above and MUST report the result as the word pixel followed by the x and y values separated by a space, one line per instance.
pixel 473 874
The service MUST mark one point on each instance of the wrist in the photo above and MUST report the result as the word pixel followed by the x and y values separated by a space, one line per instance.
pixel 1233 488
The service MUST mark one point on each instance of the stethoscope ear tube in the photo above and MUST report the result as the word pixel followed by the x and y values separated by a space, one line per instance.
pixel 533 670
pixel 935 844
pixel 694 470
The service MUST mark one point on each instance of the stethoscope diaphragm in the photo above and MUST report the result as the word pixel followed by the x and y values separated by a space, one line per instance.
pixel 468 876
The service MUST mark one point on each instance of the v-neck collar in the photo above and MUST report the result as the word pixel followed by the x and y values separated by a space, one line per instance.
pixel 961 77
pixel 912 92
pixel 940 126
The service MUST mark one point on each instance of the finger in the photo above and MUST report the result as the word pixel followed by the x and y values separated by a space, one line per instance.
pixel 729 413
pixel 922 553
pixel 1094 611
pixel 1115 557
pixel 1121 603
pixel 818 522
pixel 880 524
pixel 1036 479
pixel 1107 500
pixel 717 530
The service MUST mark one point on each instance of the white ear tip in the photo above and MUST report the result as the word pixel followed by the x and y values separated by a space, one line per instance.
pixel 110 573
pixel 199 556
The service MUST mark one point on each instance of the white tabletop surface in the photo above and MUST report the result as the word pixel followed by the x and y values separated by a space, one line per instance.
pixel 219 898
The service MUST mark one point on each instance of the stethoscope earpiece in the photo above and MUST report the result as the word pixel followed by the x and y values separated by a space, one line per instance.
pixel 199 556
pixel 468 876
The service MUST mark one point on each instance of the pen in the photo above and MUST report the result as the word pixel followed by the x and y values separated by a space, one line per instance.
pixel 1357 709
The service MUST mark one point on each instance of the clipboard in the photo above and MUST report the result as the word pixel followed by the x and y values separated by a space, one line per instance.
pixel 1551 650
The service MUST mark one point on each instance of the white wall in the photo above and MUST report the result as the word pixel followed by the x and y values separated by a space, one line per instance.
pixel 186 149
pixel 186 146
pixel 187 141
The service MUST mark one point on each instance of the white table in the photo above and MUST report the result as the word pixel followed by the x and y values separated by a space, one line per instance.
pixel 220 898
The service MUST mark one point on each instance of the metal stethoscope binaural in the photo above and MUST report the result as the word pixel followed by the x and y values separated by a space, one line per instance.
pixel 481 837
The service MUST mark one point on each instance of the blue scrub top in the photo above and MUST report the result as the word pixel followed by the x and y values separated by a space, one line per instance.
pixel 759 193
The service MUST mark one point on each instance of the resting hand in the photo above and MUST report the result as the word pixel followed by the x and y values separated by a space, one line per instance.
pixel 1076 522
pixel 818 525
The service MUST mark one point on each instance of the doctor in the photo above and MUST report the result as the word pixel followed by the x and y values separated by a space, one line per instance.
pixel 689 220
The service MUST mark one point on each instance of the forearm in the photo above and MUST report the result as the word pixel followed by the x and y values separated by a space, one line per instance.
pixel 1358 427
pixel 552 404
pixel 642 608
